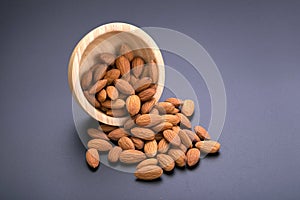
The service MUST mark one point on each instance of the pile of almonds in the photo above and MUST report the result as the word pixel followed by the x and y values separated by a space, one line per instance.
pixel 157 135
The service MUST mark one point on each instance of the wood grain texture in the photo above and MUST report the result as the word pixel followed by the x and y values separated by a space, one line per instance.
pixel 107 38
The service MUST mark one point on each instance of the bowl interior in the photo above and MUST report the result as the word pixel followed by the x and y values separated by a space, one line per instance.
pixel 140 43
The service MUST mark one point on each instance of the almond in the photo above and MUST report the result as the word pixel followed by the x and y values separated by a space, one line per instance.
pixel 148 120
pixel 150 148
pixel 99 144
pixel 101 96
pixel 133 80
pixel 123 64
pixel 165 107
pixel 162 126
pixel 129 124
pixel 124 87
pixel 107 128
pixel 99 85
pixel 166 162
pixel 137 66
pixel 163 146
pixel 147 94
pixel 99 71
pixel 176 129
pixel 173 119
pixel 172 137
pixel 149 161
pixel 117 112
pixel 182 148
pixel 176 110
pixel 117 134
pixel 184 120
pixel 142 84
pixel 153 71
pixel 112 92
pixel 117 104
pixel 114 154
pixel 143 133
pixel 126 51
pixel 202 133
pixel 133 104
pixel 175 101
pixel 178 156
pixel 149 172
pixel 86 79
pixel 112 75
pixel 97 134
pixel 188 108
pixel 92 158
pixel 193 156
pixel 185 139
pixel 148 105
pixel 192 135
pixel 92 99
pixel 154 111
pixel 131 156
pixel 208 146
pixel 125 143
pixel 138 143
pixel 107 58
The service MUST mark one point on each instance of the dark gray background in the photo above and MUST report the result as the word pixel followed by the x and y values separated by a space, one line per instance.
pixel 256 46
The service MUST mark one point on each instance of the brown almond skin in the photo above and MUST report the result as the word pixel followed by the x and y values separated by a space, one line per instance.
pixel 175 101
pixel 126 51
pixel 202 133
pixel 192 156
pixel 166 162
pixel 107 58
pixel 97 134
pixel 148 120
pixel 131 156
pixel 112 92
pixel 208 146
pixel 150 172
pixel 107 128
pixel 185 139
pixel 178 156
pixel 147 94
pixel 165 107
pixel 171 119
pixel 137 66
pixel 124 87
pixel 86 79
pixel 143 133
pixel 142 84
pixel 153 71
pixel 163 146
pixel 184 120
pixel 113 154
pixel 150 148
pixel 188 107
pixel 117 104
pixel 112 75
pixel 147 106
pixel 138 143
pixel 193 136
pixel 91 99
pixel 162 126
pixel 130 123
pixel 123 64
pixel 117 112
pixel 99 144
pixel 99 85
pixel 99 71
pixel 101 96
pixel 172 137
pixel 125 143
pixel 149 161
pixel 133 104
pixel 92 158
pixel 117 134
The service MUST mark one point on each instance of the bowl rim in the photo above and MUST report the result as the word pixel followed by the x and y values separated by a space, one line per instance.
pixel 74 65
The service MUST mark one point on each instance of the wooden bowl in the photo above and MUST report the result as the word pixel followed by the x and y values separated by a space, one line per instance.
pixel 107 38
